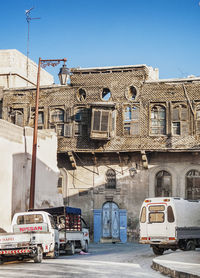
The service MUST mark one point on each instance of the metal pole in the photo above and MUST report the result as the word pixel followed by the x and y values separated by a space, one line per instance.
pixel 33 167
pixel 43 63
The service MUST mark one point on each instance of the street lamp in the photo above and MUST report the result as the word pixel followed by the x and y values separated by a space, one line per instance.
pixel 43 64
pixel 64 75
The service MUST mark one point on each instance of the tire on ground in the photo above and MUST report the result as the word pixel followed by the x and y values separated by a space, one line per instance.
pixel 85 248
pixel 157 250
pixel 55 253
pixel 72 248
pixel 39 255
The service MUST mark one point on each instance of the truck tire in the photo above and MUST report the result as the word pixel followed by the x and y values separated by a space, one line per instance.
pixel 85 249
pixel 39 256
pixel 55 253
pixel 157 250
pixel 72 248
pixel 190 245
pixel 1 261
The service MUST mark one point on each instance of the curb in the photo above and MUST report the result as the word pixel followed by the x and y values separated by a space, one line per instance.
pixel 171 272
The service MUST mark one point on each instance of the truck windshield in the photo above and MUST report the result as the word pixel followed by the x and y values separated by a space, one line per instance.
pixel 29 219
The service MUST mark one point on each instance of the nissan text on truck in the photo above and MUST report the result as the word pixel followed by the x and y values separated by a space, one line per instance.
pixel 34 234
pixel 170 223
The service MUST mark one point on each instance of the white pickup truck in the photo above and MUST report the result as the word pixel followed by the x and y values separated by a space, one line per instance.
pixel 33 235
pixel 73 230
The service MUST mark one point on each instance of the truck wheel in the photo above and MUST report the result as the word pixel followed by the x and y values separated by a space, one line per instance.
pixel 72 248
pixel 85 249
pixel 157 250
pixel 1 261
pixel 39 256
pixel 55 253
pixel 190 245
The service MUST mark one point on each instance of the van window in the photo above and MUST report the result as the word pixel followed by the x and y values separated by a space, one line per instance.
pixel 157 208
pixel 143 215
pixel 170 214
pixel 29 219
pixel 156 217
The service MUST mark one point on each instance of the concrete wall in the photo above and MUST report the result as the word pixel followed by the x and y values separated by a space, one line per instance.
pixel 15 169
pixel 14 72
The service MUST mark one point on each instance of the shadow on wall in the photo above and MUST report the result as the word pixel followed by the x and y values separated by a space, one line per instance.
pixel 46 191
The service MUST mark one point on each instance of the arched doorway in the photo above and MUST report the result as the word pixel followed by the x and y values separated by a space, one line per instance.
pixel 110 220
pixel 193 185
pixel 163 186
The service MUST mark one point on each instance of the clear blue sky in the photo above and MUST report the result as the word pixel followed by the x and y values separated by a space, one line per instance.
pixel 158 33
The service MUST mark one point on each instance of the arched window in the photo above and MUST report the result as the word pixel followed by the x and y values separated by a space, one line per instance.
pixel 131 120
pixel 57 115
pixel 158 120
pixel 198 119
pixel 106 94
pixel 131 94
pixel 81 95
pixel 81 122
pixel 110 179
pixel 180 125
pixel 193 185
pixel 17 117
pixel 57 121
pixel 163 187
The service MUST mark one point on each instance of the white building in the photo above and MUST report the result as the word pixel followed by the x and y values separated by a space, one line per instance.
pixel 18 71
pixel 15 170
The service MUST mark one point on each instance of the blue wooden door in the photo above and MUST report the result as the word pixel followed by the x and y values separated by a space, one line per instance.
pixel 110 220
pixel 123 225
pixel 97 225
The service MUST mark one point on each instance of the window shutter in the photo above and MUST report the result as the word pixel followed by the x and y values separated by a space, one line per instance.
pixel 135 113
pixel 104 120
pixel 96 120
pixel 198 127
pixel 19 119
pixel 69 115
pixel 68 130
pixel 134 128
pixel 175 114
pixel 184 114
pixel 184 128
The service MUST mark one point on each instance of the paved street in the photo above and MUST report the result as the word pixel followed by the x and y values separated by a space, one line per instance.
pixel 103 260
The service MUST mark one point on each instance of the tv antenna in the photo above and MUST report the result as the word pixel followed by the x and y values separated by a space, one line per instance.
pixel 28 19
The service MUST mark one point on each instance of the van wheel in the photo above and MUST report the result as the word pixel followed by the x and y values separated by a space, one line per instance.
pixel 85 249
pixel 72 248
pixel 157 250
pixel 39 256
pixel 190 245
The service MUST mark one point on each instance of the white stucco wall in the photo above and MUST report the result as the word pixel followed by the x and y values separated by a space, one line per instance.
pixel 13 70
pixel 15 170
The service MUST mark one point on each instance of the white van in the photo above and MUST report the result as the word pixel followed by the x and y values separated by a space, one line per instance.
pixel 170 223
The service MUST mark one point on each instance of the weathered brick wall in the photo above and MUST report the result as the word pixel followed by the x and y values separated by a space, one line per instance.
pixel 167 93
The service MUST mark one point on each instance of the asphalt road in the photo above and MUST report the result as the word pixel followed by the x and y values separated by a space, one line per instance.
pixel 103 260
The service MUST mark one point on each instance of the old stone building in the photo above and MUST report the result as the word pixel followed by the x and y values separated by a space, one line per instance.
pixel 123 135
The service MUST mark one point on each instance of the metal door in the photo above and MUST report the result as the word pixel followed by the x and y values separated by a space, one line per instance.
pixel 110 220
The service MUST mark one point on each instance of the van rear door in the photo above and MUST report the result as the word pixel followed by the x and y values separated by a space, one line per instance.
pixel 156 220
